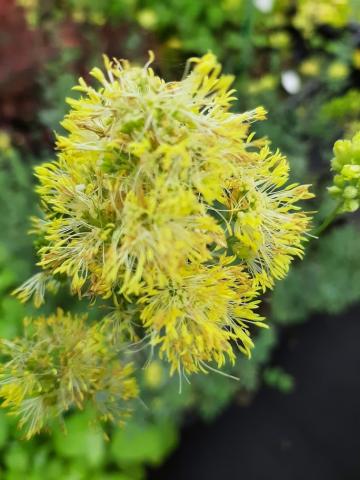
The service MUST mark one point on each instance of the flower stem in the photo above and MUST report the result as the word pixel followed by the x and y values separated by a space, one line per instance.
pixel 328 219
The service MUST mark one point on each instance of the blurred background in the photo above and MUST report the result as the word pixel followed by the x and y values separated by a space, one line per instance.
pixel 295 411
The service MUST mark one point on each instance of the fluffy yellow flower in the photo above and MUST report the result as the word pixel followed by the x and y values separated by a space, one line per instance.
pixel 196 318
pixel 59 364
pixel 161 198
pixel 268 228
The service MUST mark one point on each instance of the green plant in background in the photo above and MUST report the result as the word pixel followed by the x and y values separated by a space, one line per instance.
pixel 83 453
pixel 92 11
pixel 60 75
pixel 17 200
pixel 330 278
pixel 344 109
pixel 275 377
pixel 335 13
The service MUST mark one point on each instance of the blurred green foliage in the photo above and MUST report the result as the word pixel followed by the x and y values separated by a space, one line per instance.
pixel 276 377
pixel 328 281
pixel 17 200
pixel 83 453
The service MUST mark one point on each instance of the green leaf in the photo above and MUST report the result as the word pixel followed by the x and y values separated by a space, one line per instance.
pixel 4 429
pixel 148 443
pixel 328 280
pixel 81 441
pixel 11 315
pixel 17 457
pixel 276 377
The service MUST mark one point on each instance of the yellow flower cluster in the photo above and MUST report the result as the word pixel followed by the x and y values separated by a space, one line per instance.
pixel 161 198
pixel 195 318
pixel 62 363
pixel 310 14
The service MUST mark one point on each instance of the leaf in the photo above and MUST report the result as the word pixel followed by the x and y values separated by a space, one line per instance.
pixel 4 429
pixel 17 457
pixel 81 441
pixel 11 315
pixel 328 280
pixel 148 443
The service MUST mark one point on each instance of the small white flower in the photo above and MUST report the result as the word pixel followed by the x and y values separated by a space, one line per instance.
pixel 264 6
pixel 291 82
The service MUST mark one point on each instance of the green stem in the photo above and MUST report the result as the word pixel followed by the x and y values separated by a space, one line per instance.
pixel 248 24
pixel 328 220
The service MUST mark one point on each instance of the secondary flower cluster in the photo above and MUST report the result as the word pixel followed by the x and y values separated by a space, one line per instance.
pixel 161 200
pixel 346 165
pixel 62 363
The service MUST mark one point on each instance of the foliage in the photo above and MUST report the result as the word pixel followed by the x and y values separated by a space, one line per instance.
pixel 17 199
pixel 328 12
pixel 330 279
pixel 83 453
pixel 276 377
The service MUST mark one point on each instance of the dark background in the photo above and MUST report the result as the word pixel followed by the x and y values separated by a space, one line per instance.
pixel 311 433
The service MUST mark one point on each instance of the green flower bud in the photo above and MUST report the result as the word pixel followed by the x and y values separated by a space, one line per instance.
pixel 350 171
pixel 346 182
pixel 350 192
pixel 350 206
